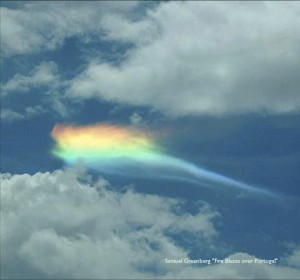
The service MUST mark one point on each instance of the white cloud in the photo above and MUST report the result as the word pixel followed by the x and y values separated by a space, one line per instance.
pixel 64 226
pixel 203 58
pixel 135 119
pixel 9 115
pixel 294 258
pixel 126 30
pixel 52 23
pixel 61 225
pixel 45 74
pixel 187 57
pixel 42 85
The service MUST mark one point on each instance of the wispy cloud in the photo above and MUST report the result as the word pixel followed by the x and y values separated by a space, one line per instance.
pixel 42 90
pixel 53 22
pixel 45 74
pixel 9 115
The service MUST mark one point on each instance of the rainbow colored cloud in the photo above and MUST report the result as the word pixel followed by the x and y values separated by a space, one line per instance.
pixel 126 150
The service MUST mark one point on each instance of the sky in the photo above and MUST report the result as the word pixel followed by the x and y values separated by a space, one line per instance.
pixel 138 134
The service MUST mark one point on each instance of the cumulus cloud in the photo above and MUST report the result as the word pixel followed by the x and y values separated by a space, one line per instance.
pixel 184 57
pixel 203 58
pixel 65 225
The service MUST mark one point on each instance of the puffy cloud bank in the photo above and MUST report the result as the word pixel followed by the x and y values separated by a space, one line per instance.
pixel 181 58
pixel 63 225
pixel 203 58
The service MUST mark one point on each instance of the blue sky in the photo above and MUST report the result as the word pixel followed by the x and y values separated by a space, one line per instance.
pixel 222 78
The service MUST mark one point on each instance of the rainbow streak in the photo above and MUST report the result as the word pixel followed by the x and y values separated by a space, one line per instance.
pixel 124 150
